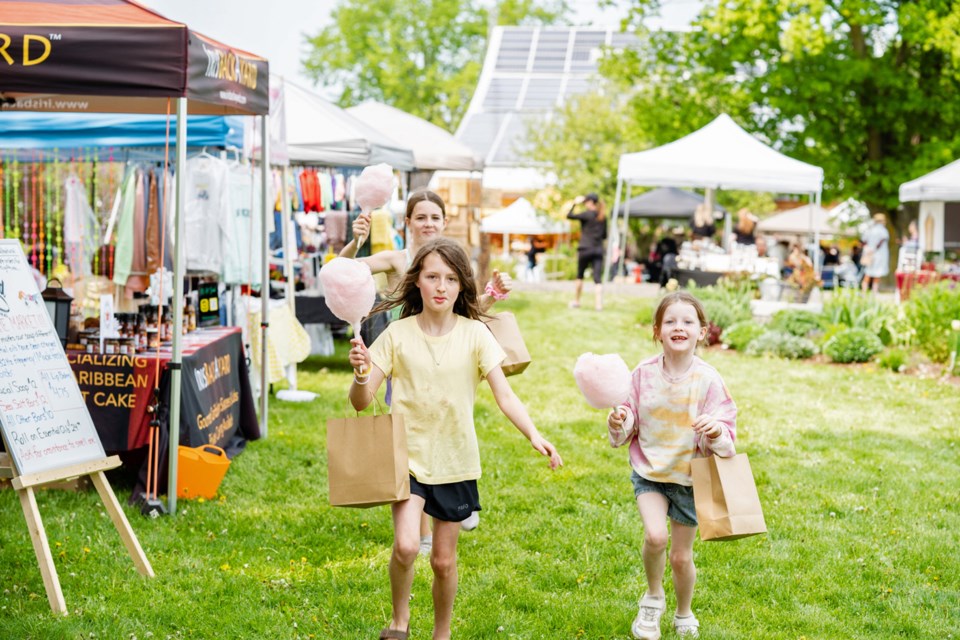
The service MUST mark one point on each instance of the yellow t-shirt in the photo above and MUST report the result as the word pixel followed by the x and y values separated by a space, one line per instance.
pixel 434 387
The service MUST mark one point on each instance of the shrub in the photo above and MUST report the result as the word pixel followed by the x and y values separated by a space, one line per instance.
pixel 798 322
pixel 645 314
pixel 893 359
pixel 726 302
pixel 740 334
pixel 853 345
pixel 782 345
pixel 852 308
pixel 929 312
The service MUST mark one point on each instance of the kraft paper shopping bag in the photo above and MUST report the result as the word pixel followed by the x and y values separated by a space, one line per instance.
pixel 507 332
pixel 725 495
pixel 367 460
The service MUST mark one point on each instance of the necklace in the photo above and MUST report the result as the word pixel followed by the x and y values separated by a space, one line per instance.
pixel 446 344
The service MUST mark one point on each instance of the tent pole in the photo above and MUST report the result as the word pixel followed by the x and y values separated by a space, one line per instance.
pixel 613 223
pixel 178 269
pixel 265 275
pixel 289 249
pixel 626 226
pixel 814 198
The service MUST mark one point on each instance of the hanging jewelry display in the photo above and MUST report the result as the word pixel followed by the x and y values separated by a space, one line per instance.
pixel 15 210
pixel 57 212
pixel 92 193
pixel 111 185
pixel 33 212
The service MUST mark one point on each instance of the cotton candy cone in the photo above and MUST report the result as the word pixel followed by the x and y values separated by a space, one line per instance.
pixel 604 380
pixel 374 186
pixel 348 289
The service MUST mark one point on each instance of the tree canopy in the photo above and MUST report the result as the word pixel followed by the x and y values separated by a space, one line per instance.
pixel 420 56
pixel 867 89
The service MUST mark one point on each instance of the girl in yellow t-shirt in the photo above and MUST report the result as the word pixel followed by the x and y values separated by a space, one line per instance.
pixel 437 352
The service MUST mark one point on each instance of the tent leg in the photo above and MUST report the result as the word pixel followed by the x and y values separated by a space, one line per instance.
pixel 613 223
pixel 265 275
pixel 178 269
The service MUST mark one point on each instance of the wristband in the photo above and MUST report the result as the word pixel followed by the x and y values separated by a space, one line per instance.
pixel 365 378
pixel 492 291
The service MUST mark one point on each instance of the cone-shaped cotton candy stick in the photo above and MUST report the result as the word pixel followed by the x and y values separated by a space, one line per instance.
pixel 604 380
pixel 349 290
pixel 373 189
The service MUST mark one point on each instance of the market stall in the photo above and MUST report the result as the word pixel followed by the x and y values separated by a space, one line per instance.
pixel 118 57
pixel 938 248
pixel 720 155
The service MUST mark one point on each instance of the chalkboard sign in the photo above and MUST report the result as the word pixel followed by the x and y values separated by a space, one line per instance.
pixel 43 417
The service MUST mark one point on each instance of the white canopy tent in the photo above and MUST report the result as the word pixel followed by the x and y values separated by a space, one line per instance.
pixel 433 148
pixel 809 218
pixel 521 218
pixel 320 132
pixel 721 155
pixel 933 191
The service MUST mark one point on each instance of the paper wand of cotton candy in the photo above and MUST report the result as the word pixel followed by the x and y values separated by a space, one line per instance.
pixel 604 380
pixel 373 190
pixel 348 290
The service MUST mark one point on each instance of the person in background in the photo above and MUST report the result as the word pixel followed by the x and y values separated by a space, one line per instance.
pixel 537 246
pixel 439 352
pixel 678 409
pixel 876 253
pixel 746 226
pixel 909 258
pixel 593 231
pixel 701 224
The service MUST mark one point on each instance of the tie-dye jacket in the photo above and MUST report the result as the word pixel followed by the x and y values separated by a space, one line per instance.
pixel 660 414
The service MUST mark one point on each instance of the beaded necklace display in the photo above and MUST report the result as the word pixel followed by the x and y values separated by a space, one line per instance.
pixel 57 211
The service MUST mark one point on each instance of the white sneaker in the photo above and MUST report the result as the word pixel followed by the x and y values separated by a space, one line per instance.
pixel 426 544
pixel 686 626
pixel 646 626
pixel 472 521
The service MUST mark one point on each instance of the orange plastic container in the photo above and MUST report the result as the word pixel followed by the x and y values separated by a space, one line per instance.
pixel 200 471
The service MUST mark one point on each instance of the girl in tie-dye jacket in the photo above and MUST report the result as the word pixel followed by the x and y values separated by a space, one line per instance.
pixel 679 408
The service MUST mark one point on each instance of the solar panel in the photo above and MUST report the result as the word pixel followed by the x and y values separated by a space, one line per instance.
pixel 527 73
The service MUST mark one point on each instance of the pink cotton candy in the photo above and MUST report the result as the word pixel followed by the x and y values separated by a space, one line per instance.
pixel 348 289
pixel 374 186
pixel 604 380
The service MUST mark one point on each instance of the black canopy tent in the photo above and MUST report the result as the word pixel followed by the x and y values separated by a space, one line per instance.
pixel 663 202
pixel 117 56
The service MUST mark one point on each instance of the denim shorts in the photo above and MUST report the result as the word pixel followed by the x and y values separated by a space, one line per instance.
pixel 680 506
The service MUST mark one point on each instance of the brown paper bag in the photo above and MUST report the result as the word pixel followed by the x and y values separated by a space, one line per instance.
pixel 507 332
pixel 728 506
pixel 367 460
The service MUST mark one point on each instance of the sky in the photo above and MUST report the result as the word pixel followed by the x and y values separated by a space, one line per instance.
pixel 275 29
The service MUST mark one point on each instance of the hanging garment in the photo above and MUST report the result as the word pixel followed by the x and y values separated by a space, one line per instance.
pixel 205 206
pixel 123 253
pixel 242 241
pixel 153 224
pixel 381 231
pixel 80 234
pixel 335 224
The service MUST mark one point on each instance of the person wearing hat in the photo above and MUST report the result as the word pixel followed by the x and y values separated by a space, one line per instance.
pixel 875 259
pixel 593 231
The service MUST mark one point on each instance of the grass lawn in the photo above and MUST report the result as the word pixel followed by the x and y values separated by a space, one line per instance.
pixel 858 470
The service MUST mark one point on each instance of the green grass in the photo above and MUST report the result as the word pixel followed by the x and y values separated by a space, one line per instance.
pixel 857 469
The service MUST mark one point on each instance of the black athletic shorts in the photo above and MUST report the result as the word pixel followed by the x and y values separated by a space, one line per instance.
pixel 452 502
pixel 592 259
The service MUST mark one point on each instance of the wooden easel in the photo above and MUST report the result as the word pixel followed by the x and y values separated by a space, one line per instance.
pixel 24 486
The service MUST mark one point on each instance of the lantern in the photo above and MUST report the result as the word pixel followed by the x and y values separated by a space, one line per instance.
pixel 58 306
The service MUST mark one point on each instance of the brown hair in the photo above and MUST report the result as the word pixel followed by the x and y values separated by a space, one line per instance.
pixel 425 195
pixel 407 294
pixel 746 221
pixel 674 298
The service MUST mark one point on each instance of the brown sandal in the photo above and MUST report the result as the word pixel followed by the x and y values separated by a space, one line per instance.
pixel 394 634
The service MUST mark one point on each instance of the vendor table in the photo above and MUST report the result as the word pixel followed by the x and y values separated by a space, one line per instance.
pixel 217 405
pixel 907 280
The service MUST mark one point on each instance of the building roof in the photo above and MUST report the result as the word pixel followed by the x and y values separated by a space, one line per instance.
pixel 527 73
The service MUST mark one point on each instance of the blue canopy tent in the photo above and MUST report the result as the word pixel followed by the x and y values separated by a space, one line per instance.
pixel 97 133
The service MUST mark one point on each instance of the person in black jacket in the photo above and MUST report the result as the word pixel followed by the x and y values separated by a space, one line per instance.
pixel 593 231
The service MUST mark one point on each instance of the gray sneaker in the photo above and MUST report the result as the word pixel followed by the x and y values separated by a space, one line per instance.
pixel 687 626
pixel 646 626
